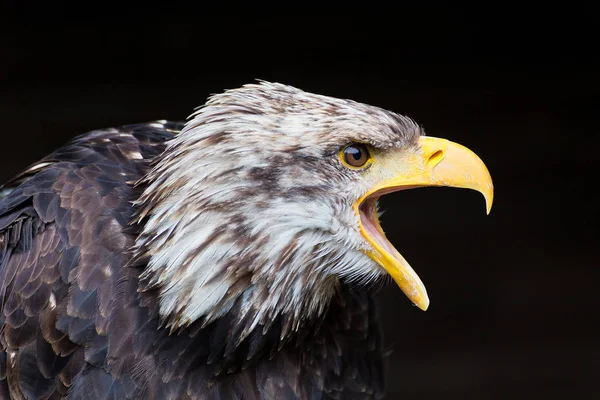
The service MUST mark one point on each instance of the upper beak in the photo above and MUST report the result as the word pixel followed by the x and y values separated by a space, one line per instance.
pixel 439 162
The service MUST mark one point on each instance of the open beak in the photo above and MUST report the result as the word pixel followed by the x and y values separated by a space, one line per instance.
pixel 438 162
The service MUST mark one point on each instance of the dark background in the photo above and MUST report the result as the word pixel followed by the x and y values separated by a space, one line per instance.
pixel 514 299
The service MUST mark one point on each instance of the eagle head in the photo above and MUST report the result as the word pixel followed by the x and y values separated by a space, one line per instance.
pixel 267 200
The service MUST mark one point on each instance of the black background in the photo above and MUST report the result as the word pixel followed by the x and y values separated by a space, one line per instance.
pixel 513 294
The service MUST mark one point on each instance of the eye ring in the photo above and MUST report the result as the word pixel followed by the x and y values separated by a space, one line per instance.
pixel 355 156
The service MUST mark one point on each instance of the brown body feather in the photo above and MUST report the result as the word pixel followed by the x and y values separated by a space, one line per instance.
pixel 75 325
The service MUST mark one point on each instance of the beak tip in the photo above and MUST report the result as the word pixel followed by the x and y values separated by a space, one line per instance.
pixel 489 198
pixel 423 304
pixel 488 204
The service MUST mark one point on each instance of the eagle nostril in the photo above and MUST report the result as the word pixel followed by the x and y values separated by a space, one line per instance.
pixel 435 158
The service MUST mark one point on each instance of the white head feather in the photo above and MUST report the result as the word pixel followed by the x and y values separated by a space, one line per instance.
pixel 251 203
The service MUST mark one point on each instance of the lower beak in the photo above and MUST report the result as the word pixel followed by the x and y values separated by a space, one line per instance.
pixel 438 163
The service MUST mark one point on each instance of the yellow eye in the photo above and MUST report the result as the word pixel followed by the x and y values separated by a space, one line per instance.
pixel 355 155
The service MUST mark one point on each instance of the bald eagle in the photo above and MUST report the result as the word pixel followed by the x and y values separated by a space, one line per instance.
pixel 229 257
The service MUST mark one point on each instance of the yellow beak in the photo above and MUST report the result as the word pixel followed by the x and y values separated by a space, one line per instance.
pixel 438 162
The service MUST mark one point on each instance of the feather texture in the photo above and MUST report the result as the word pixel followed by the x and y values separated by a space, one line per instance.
pixel 218 259
pixel 73 322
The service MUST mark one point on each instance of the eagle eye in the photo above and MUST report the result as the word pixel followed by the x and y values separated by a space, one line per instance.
pixel 355 155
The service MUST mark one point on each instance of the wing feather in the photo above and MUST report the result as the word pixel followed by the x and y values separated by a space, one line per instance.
pixel 63 245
